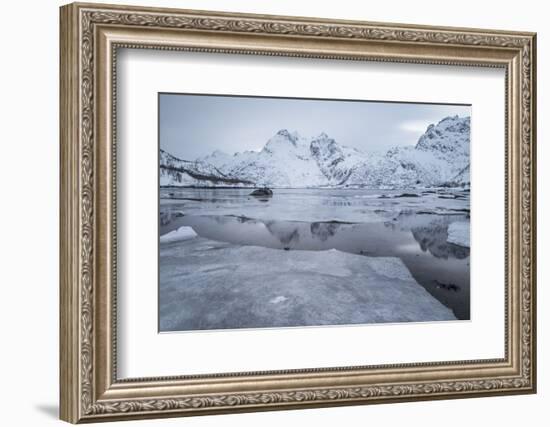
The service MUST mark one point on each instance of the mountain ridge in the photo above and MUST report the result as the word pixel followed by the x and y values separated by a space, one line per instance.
pixel 440 157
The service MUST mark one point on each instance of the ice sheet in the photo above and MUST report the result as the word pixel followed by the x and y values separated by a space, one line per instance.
pixel 207 284
pixel 459 233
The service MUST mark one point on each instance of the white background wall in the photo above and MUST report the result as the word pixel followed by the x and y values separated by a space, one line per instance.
pixel 29 170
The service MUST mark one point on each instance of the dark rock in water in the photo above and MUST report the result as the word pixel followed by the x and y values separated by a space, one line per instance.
pixel 262 192
pixel 385 196
pixel 407 195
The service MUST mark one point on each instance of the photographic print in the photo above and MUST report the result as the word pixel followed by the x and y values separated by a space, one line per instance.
pixel 291 212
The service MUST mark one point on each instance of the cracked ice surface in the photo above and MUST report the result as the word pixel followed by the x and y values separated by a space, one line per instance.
pixel 207 284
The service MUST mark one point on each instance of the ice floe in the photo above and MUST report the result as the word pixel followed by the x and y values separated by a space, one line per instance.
pixel 206 284
pixel 459 233
pixel 182 233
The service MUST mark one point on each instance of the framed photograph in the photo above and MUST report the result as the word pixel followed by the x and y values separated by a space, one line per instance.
pixel 266 212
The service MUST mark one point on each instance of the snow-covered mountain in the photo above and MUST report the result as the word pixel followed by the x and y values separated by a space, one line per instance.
pixel 440 157
pixel 284 161
pixel 335 161
pixel 184 173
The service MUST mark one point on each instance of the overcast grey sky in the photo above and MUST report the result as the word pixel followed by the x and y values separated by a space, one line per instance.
pixel 192 126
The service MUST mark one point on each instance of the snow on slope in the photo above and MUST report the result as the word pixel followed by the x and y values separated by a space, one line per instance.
pixel 335 161
pixel 441 157
pixel 217 158
pixel 184 173
pixel 284 161
pixel 441 154
pixel 463 177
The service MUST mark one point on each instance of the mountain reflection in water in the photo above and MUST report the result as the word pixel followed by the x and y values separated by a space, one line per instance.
pixel 419 240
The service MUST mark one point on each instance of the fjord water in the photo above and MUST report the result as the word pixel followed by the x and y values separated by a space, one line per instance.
pixel 409 225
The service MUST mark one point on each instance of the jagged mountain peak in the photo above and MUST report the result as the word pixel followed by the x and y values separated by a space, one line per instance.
pixel 214 155
pixel 322 140
pixel 324 146
pixel 218 153
pixel 455 124
pixel 281 140
pixel 322 137
pixel 217 158
pixel 451 134
pixel 285 133
pixel 440 157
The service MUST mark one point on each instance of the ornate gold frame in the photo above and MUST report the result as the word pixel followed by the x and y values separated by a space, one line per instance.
pixel 90 36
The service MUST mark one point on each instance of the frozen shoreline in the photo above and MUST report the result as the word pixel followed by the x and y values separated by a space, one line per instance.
pixel 206 284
